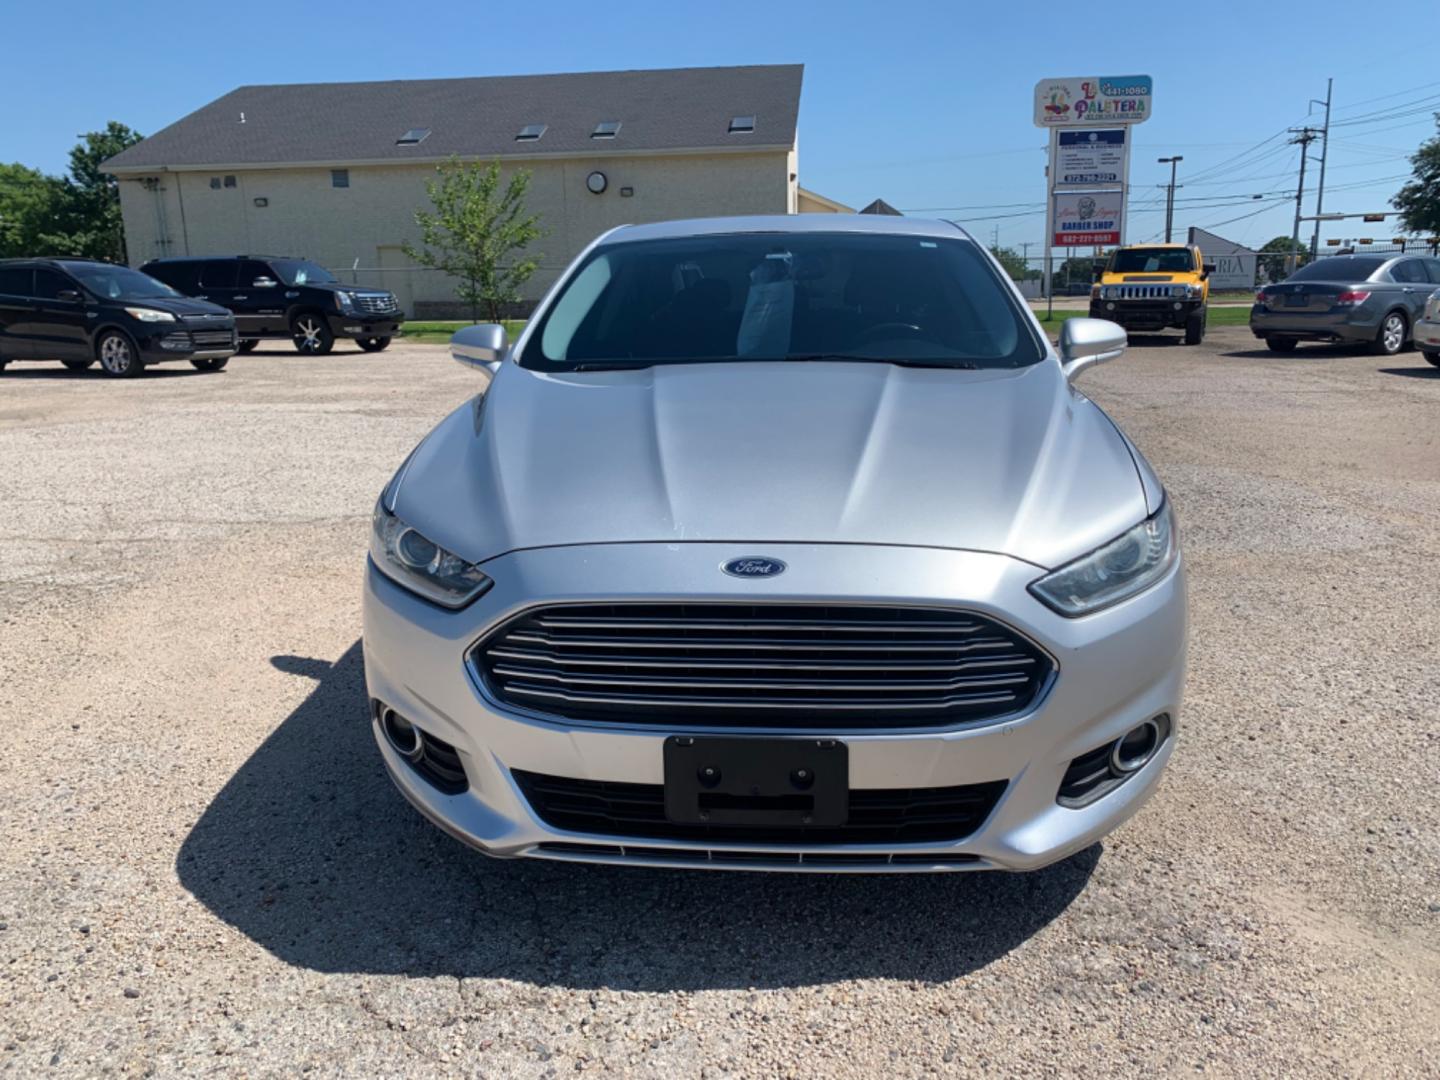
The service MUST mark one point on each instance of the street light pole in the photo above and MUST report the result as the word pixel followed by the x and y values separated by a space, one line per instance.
pixel 1170 193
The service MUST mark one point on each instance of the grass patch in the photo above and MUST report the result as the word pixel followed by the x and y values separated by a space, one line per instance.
pixel 438 331
pixel 1219 316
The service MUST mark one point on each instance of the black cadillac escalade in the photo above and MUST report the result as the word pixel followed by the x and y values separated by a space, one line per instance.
pixel 277 297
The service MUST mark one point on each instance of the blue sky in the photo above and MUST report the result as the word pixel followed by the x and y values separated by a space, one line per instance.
pixel 927 105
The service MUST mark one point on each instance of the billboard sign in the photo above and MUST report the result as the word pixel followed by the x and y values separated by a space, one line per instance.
pixel 1090 158
pixel 1093 101
pixel 1087 218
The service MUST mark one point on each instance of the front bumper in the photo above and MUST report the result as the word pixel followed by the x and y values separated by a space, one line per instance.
pixel 160 344
pixel 1353 325
pixel 364 326
pixel 1146 314
pixel 1116 669
pixel 1427 335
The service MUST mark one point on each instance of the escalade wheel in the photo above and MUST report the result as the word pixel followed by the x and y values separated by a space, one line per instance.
pixel 372 344
pixel 213 364
pixel 311 335
pixel 117 355
pixel 1390 338
pixel 77 365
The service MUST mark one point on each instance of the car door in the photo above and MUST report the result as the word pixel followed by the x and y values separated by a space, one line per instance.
pixel 1414 284
pixel 59 320
pixel 16 307
pixel 217 281
pixel 259 300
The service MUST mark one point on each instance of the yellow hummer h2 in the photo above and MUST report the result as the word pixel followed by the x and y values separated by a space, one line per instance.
pixel 1149 287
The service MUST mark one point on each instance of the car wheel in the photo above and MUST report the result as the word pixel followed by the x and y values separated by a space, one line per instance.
pixel 1430 358
pixel 117 355
pixel 249 345
pixel 215 363
pixel 311 334
pixel 372 344
pixel 1390 338
pixel 1195 328
pixel 77 365
pixel 1281 344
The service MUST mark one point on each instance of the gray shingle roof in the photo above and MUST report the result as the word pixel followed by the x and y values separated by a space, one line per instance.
pixel 677 109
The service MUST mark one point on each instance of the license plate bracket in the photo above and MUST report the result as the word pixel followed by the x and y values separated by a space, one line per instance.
pixel 1297 299
pixel 760 782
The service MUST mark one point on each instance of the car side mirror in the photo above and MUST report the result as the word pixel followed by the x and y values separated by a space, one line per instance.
pixel 67 294
pixel 264 283
pixel 482 346
pixel 1087 342
pixel 1206 269
pixel 1098 273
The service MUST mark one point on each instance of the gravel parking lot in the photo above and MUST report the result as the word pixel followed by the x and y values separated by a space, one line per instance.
pixel 204 868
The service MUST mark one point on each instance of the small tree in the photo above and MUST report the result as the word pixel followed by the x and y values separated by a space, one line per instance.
pixel 478 233
pixel 1013 263
pixel 1279 255
pixel 1419 200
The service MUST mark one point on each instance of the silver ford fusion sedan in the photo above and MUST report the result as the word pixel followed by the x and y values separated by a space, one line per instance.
pixel 778 543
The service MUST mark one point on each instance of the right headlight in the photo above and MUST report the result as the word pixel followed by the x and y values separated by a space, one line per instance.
pixel 421 565
pixel 1129 564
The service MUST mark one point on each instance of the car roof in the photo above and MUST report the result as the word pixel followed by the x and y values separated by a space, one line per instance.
pixel 882 224
pixel 55 259
pixel 214 258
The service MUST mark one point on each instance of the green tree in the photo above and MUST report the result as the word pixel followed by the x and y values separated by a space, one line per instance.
pixel 1419 200
pixel 1275 257
pixel 75 215
pixel 1013 263
pixel 478 233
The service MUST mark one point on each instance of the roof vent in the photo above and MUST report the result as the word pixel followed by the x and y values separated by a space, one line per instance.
pixel 413 137
pixel 530 133
pixel 742 125
pixel 606 129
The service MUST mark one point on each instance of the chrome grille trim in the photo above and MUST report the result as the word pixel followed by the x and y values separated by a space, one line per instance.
pixel 376 303
pixel 1142 292
pixel 806 666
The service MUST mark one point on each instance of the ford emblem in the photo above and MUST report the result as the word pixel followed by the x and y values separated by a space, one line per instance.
pixel 753 566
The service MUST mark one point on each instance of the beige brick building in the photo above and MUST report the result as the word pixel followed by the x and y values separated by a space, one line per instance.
pixel 335 172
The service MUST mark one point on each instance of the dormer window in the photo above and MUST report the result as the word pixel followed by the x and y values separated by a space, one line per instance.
pixel 742 125
pixel 606 129
pixel 413 137
pixel 530 133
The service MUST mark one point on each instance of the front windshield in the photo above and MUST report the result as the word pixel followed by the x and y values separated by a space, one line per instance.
pixel 1338 268
pixel 784 296
pixel 303 272
pixel 1152 261
pixel 119 282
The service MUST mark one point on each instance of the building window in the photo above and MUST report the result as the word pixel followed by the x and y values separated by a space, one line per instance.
pixel 530 133
pixel 606 129
pixel 339 177
pixel 215 183
pixel 413 137
pixel 742 125
pixel 229 181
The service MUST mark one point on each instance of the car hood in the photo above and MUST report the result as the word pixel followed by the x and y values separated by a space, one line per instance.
pixel 1004 461
pixel 178 305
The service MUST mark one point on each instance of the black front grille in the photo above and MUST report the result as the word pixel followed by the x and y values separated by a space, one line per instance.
pixel 376 303
pixel 811 666
pixel 213 339
pixel 877 816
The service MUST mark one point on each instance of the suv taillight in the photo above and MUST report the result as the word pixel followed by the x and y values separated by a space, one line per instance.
pixel 1350 296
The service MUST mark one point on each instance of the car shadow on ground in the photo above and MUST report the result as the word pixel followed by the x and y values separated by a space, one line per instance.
pixel 94 373
pixel 310 852
pixel 1425 370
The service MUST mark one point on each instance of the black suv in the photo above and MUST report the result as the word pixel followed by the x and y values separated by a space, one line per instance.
pixel 274 297
pixel 79 311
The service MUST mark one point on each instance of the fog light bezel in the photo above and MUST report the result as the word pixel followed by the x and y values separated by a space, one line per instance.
pixel 1104 771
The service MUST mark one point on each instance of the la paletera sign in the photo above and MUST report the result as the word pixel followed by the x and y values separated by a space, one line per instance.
pixel 1095 101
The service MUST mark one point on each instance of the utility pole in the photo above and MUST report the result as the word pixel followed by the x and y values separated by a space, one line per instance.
pixel 1303 138
pixel 1170 193
pixel 1324 153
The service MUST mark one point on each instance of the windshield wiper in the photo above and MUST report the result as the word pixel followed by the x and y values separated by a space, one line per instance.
pixel 962 365
pixel 614 365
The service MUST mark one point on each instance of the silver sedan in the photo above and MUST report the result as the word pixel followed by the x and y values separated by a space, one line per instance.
pixel 778 543
pixel 1372 300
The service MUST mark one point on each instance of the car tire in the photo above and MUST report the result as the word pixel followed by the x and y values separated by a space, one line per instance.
pixel 1432 358
pixel 311 334
pixel 215 363
pixel 373 344
pixel 77 365
pixel 1390 338
pixel 118 356
pixel 1281 344
pixel 249 345
pixel 1195 328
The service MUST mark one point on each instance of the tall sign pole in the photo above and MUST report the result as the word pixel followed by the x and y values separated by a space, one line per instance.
pixel 1087 184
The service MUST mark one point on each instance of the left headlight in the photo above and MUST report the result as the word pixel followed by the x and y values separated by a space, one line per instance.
pixel 1129 564
pixel 421 565
pixel 344 300
pixel 145 314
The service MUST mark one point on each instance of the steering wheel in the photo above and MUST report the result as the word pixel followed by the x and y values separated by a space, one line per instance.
pixel 892 329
